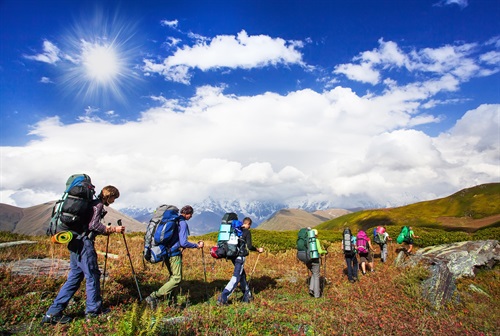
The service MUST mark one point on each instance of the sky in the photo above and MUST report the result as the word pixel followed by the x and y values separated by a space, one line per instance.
pixel 354 102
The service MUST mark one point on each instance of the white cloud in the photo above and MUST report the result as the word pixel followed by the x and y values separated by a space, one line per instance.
pixel 334 145
pixel 170 23
pixel 461 61
pixel 49 55
pixel 226 51
pixel 46 80
pixel 461 3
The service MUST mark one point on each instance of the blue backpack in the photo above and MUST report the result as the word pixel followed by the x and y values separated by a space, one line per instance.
pixel 161 232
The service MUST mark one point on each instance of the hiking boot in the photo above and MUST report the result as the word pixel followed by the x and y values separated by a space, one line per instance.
pixel 92 315
pixel 220 303
pixel 152 302
pixel 55 319
pixel 352 281
pixel 247 298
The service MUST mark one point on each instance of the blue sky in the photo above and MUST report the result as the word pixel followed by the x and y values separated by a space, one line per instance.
pixel 355 102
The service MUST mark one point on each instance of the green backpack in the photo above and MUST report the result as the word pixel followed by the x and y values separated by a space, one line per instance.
pixel 302 240
pixel 404 235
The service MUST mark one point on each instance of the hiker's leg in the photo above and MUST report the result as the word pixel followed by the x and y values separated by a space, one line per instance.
pixel 314 285
pixel 88 263
pixel 355 266
pixel 348 261
pixel 75 278
pixel 245 287
pixel 233 282
pixel 370 259
pixel 174 266
pixel 350 271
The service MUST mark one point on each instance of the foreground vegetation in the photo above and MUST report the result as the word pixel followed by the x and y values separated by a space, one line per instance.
pixel 387 302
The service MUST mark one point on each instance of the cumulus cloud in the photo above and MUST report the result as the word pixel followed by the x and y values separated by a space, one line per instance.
pixel 334 144
pixel 226 51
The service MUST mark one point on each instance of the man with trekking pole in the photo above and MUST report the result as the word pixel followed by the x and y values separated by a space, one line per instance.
pixel 83 263
pixel 173 260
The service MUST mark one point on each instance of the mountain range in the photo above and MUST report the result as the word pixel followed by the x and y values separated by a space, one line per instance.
pixel 208 214
pixel 35 220
pixel 472 207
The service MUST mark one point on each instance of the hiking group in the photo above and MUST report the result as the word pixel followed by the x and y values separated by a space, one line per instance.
pixel 77 219
pixel 360 246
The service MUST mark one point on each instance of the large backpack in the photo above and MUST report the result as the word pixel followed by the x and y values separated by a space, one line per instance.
pixel 74 210
pixel 404 235
pixel 306 245
pixel 362 242
pixel 229 243
pixel 160 233
pixel 378 235
pixel 349 248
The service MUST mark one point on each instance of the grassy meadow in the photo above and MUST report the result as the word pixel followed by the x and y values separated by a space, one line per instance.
pixel 386 302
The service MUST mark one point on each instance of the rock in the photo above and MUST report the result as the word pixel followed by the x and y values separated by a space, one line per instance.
pixel 15 243
pixel 449 262
pixel 46 266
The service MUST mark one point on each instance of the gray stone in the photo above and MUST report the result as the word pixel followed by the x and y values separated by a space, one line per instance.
pixel 449 262
pixel 46 266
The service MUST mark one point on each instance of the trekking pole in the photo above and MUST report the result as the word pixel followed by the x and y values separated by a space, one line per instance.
pixel 324 268
pixel 204 270
pixel 130 259
pixel 253 270
pixel 105 262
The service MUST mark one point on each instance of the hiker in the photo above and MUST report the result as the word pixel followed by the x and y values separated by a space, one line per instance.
pixel 83 263
pixel 314 265
pixel 239 275
pixel 350 255
pixel 409 241
pixel 173 260
pixel 380 238
pixel 365 251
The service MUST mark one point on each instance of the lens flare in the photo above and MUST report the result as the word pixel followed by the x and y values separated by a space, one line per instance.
pixel 100 56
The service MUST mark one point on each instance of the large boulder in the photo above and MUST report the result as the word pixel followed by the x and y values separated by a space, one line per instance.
pixel 449 262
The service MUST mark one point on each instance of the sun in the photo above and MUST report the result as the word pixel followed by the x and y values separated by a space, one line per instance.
pixel 101 63
pixel 100 60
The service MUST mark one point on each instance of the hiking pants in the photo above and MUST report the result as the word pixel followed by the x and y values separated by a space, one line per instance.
pixel 239 276
pixel 352 266
pixel 82 265
pixel 383 252
pixel 314 287
pixel 174 267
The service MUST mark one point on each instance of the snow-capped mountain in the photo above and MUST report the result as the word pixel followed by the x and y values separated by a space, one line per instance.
pixel 208 213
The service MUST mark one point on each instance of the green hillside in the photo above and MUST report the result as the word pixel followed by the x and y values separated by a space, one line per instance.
pixel 467 210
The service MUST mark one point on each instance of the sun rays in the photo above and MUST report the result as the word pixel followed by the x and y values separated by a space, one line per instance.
pixel 100 57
